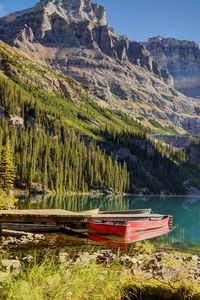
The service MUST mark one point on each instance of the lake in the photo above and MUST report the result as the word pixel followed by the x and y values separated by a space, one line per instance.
pixel 185 210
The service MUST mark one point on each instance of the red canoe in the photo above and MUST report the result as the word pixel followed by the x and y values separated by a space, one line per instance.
pixel 130 238
pixel 124 227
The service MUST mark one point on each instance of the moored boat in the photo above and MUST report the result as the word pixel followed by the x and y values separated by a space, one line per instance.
pixel 122 226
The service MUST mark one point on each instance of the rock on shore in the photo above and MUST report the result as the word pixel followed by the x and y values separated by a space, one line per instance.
pixel 165 265
pixel 17 238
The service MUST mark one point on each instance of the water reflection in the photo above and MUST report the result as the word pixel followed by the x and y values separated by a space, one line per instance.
pixel 124 242
pixel 186 210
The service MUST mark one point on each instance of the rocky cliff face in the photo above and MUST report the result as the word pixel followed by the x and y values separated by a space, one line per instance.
pixel 193 153
pixel 73 36
pixel 181 59
pixel 73 24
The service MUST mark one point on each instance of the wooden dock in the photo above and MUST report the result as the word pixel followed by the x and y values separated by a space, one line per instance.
pixel 59 217
pixel 44 216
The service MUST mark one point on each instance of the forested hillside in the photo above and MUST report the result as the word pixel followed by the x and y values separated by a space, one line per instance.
pixel 63 141
pixel 49 152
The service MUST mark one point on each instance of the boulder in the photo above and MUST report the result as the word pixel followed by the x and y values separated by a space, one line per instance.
pixel 11 265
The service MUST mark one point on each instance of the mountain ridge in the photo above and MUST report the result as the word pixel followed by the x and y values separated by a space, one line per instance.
pixel 181 58
pixel 70 10
pixel 118 73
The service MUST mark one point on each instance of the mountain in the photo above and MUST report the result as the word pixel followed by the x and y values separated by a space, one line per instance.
pixel 73 36
pixel 181 59
pixel 64 141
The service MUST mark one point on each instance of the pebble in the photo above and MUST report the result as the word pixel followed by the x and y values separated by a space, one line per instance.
pixel 27 259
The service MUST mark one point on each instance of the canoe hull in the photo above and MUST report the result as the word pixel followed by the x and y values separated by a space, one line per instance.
pixel 124 228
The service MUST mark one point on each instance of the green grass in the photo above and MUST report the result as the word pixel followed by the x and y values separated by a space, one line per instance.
pixel 162 129
pixel 50 280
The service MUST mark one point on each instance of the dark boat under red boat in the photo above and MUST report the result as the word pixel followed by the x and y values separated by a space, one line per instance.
pixel 127 227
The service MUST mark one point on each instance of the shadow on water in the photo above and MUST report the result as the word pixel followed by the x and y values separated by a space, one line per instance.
pixel 185 210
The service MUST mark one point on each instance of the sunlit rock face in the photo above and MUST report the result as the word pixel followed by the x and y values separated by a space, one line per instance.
pixel 71 10
pixel 181 59
pixel 73 36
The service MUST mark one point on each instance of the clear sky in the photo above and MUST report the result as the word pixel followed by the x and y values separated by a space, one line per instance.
pixel 141 19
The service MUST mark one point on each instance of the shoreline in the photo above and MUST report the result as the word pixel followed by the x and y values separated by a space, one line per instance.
pixel 13 239
pixel 19 193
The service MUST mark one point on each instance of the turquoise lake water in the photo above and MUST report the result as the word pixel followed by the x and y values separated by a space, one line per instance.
pixel 185 210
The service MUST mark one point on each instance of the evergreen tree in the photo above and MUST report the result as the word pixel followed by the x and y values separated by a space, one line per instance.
pixel 7 169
